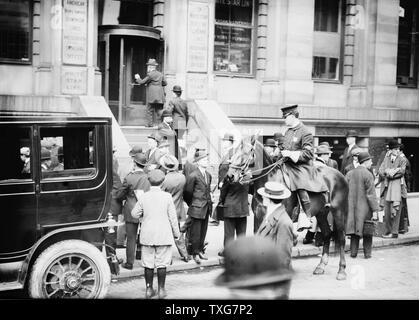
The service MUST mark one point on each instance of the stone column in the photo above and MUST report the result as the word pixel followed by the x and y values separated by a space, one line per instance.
pixel 158 14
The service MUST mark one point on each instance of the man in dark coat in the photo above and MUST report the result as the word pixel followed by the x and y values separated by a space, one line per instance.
pixel 166 131
pixel 362 204
pixel 327 156
pixel 179 110
pixel 155 93
pixel 135 181
pixel 197 195
pixel 153 154
pixel 298 155
pixel 404 214
pixel 351 136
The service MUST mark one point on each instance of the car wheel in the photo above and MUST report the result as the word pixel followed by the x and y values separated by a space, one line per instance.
pixel 70 269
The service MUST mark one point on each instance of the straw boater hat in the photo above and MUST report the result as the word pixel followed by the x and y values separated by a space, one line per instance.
pixel 274 190
pixel 152 62
pixel 169 162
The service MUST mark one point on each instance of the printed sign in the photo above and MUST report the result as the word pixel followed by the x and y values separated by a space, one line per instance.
pixel 197 37
pixel 73 81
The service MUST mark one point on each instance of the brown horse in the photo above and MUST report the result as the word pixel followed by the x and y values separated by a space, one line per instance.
pixel 264 169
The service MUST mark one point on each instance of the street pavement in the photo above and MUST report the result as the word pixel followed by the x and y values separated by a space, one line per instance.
pixel 391 273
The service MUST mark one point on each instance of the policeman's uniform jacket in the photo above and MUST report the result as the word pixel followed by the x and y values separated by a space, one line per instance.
pixel 154 82
pixel 197 194
pixel 299 166
pixel 135 180
pixel 347 158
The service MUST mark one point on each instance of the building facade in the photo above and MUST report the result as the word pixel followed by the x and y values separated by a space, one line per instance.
pixel 349 64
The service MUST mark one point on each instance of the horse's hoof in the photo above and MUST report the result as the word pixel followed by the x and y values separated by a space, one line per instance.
pixel 341 276
pixel 318 271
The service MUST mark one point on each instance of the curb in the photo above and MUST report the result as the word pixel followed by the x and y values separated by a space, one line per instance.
pixel 297 252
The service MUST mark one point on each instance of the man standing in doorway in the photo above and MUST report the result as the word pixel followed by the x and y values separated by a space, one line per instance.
pixel 347 155
pixel 155 95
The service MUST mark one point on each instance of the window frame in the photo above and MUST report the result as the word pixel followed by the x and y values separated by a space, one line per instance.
pixel 30 43
pixel 253 29
pixel 341 32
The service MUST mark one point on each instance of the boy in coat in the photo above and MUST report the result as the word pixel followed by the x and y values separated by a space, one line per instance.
pixel 159 227
pixel 362 204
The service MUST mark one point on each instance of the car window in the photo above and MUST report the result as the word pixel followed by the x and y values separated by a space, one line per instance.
pixel 16 153
pixel 67 152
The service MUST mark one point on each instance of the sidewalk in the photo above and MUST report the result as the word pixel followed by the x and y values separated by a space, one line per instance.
pixel 215 236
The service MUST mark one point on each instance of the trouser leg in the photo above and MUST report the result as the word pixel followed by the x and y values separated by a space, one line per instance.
pixel 367 244
pixel 387 216
pixel 354 245
pixel 241 226
pixel 228 230
pixel 121 232
pixel 131 241
pixel 195 235
pixel 395 221
pixel 305 201
pixel 149 114
pixel 204 228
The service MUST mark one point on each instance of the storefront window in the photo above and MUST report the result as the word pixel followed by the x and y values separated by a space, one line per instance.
pixel 15 31
pixel 233 36
pixel 328 37
pixel 407 46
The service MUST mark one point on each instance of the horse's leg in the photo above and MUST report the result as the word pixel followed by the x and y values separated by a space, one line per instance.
pixel 340 241
pixel 326 233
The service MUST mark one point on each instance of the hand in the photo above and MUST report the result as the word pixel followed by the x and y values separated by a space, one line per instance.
pixel 285 153
pixel 375 215
pixel 137 76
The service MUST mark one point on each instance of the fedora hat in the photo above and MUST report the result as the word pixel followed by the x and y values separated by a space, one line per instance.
pixel 393 144
pixel 166 113
pixel 228 137
pixel 135 149
pixel 25 151
pixel 274 190
pixel 252 261
pixel 355 152
pixel 200 154
pixel 351 133
pixel 289 110
pixel 169 162
pixel 322 149
pixel 152 62
pixel 270 143
pixel 140 159
pixel 177 88
pixel 325 143
pixel 364 156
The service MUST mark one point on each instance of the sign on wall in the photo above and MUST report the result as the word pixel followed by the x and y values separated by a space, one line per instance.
pixel 73 80
pixel 197 60
pixel 75 32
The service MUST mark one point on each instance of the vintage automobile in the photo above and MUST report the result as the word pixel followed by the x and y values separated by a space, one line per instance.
pixel 55 184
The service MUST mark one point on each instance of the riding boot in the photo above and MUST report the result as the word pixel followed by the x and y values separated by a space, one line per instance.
pixel 161 278
pixel 309 237
pixel 305 202
pixel 148 275
pixel 354 245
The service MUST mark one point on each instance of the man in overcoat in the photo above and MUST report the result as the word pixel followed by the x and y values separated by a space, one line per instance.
pixel 393 188
pixel 166 131
pixel 153 154
pixel 197 195
pixel 351 136
pixel 362 204
pixel 179 110
pixel 155 92
pixel 135 181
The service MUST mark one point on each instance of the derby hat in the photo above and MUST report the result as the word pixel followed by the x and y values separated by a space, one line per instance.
pixel 152 62
pixel 169 162
pixel 364 156
pixel 45 154
pixel 166 113
pixel 270 143
pixel 325 143
pixel 156 177
pixel 177 88
pixel 200 154
pixel 289 110
pixel 25 151
pixel 228 137
pixel 393 144
pixel 351 133
pixel 252 261
pixel 164 144
pixel 274 190
pixel 135 149
pixel 355 152
pixel 140 159
pixel 322 149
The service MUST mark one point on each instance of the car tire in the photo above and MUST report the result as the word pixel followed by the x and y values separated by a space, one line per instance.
pixel 70 269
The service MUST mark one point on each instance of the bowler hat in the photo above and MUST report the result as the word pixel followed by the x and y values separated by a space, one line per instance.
pixel 253 261
pixel 289 110
pixel 154 136
pixel 135 149
pixel 156 177
pixel 45 154
pixel 200 154
pixel 325 143
pixel 140 159
pixel 228 137
pixel 270 143
pixel 25 151
pixel 164 144
pixel 169 162
pixel 166 113
pixel 152 62
pixel 393 144
pixel 274 190
pixel 322 149
pixel 177 88
pixel 351 133
pixel 363 156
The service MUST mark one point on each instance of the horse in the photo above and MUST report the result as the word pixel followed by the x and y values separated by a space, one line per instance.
pixel 248 153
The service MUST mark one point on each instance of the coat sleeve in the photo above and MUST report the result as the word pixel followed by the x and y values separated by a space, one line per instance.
pixel 306 153
pixel 171 212
pixel 383 167
pixel 188 189
pixel 402 169
pixel 285 241
pixel 138 210
pixel 224 190
pixel 143 81
pixel 370 192
pixel 121 193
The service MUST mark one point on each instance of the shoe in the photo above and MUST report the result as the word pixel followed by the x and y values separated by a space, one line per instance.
pixel 196 259
pixel 205 246
pixel 162 293
pixel 186 259
pixel 389 236
pixel 182 229
pixel 318 243
pixel 306 241
pixel 149 293
pixel 214 223
pixel 120 260
pixel 353 255
pixel 367 257
pixel 127 266
pixel 202 256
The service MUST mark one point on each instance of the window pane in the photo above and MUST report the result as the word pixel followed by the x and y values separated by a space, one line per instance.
pixel 14 30
pixel 16 153
pixel 239 60
pixel 326 15
pixel 325 68
pixel 234 11
pixel 221 48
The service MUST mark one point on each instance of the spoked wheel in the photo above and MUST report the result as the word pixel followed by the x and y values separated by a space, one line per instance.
pixel 70 269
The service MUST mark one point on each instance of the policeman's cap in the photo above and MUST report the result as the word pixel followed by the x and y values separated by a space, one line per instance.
pixel 289 110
